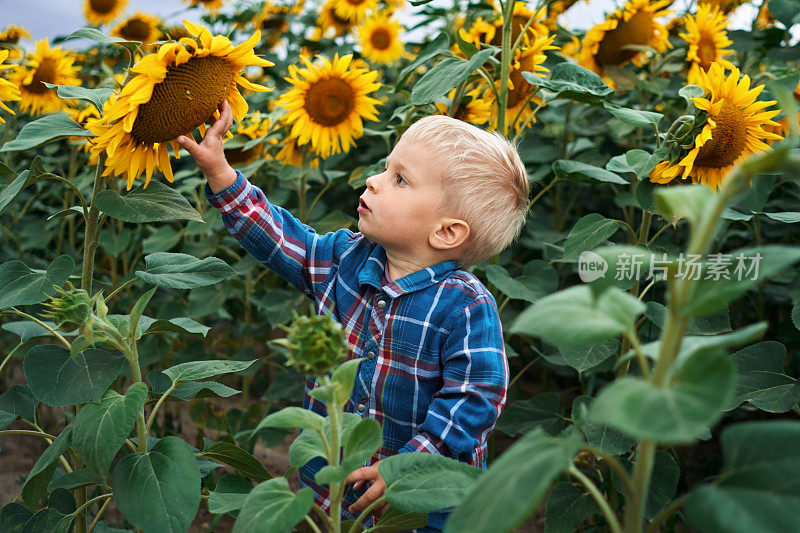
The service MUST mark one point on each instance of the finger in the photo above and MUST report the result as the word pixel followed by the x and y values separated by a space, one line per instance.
pixel 225 120
pixel 357 484
pixel 361 474
pixel 189 145
pixel 372 494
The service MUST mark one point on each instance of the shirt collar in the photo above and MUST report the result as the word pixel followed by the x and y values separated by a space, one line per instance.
pixel 372 271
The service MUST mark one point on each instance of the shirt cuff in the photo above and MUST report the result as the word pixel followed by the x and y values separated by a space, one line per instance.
pixel 229 198
pixel 422 443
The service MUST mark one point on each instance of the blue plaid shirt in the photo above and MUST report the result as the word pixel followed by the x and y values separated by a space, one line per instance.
pixel 434 371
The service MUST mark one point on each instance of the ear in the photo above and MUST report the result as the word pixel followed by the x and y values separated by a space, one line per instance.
pixel 451 233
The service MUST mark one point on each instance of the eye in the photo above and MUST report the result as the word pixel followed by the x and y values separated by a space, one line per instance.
pixel 401 180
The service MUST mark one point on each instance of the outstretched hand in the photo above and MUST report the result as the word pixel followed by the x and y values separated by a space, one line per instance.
pixel 375 491
pixel 209 154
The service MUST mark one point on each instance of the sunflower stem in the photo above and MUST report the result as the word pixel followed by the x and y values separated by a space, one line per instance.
pixel 505 66
pixel 90 240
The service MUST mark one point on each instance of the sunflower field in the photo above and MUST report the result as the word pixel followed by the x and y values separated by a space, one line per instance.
pixel 151 370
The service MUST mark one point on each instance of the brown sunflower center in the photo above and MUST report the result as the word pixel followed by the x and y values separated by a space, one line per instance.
pixel 638 30
pixel 355 2
pixel 12 37
pixel 521 89
pixel 706 50
pixel 274 23
pixel 727 139
pixel 103 6
pixel 185 99
pixel 329 101
pixel 380 39
pixel 46 71
pixel 135 30
pixel 517 23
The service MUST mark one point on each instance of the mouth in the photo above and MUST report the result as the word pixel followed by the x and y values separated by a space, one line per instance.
pixel 362 206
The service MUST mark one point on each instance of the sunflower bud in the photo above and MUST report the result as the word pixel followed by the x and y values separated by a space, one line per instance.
pixel 71 310
pixel 315 344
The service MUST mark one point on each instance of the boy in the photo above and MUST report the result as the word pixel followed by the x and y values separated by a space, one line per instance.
pixel 434 371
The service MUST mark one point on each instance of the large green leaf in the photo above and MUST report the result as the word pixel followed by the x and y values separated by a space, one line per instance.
pixel 691 400
pixel 196 370
pixel 600 436
pixel 553 318
pixel 17 401
pixel 759 489
pixel 156 203
pixel 685 201
pixel 100 429
pixel 762 380
pixel 572 81
pixel 445 75
pixel 583 358
pixel 361 443
pixel 589 232
pixel 229 494
pixel 292 417
pixel 567 507
pixel 272 506
pixel 241 460
pixel 96 97
pixel 60 380
pixel 183 271
pixel 159 491
pixel 19 285
pixel 585 173
pixel 515 484
pixel 538 279
pixel 44 130
pixel 425 482
pixel 51 454
pixel 524 415
pixel 100 37
pixel 634 117
pixel 439 45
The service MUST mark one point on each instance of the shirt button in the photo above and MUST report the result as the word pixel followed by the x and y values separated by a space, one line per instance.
pixel 370 355
pixel 361 408
pixel 381 304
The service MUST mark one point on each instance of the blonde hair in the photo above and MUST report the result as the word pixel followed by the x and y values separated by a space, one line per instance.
pixel 484 182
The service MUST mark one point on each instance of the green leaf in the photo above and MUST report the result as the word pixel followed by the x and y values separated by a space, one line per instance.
pixel 634 117
pixel 567 508
pixel 96 97
pixel 307 446
pixel 60 380
pixel 159 491
pixel 19 285
pixel 573 82
pixel 553 318
pixel 663 484
pixel 10 192
pixel 445 75
pixel 17 401
pixel 78 478
pixel 51 454
pixel 45 130
pixel 188 390
pixel 156 203
pixel 393 520
pixel 796 314
pixel 691 400
pixel 639 162
pixel 101 429
pixel 582 358
pixel 272 506
pixel 752 265
pixel 229 494
pixel 762 380
pixel 425 482
pixel 585 173
pixel 759 489
pixel 292 417
pixel 600 436
pixel 538 279
pixel 515 484
pixel 99 37
pixel 589 232
pixel 182 271
pixel 687 92
pixel 235 457
pixel 345 376
pixel 179 325
pixel 361 443
pixel 685 201
pixel 523 416
pixel 197 370
pixel 138 309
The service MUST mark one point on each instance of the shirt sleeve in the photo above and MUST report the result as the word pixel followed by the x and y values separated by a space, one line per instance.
pixel 475 380
pixel 275 237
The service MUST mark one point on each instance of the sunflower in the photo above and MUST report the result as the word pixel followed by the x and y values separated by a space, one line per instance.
pixel 354 10
pixel 49 65
pixel 292 154
pixel 8 91
pixel 734 128
pixel 252 127
pixel 328 102
pixel 520 92
pixel 707 39
pixel 380 39
pixel 86 117
pixel 175 90
pixel 634 24
pixel 472 108
pixel 138 27
pixel 726 6
pixel 9 38
pixel 483 32
pixel 554 9
pixel 103 11
pixel 328 18
pixel 273 22
pixel 213 6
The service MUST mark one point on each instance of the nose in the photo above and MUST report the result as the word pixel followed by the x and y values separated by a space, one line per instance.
pixel 371 183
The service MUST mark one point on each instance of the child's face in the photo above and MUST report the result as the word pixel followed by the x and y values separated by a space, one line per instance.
pixel 401 206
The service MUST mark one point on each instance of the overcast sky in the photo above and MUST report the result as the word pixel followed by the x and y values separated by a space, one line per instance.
pixel 48 18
